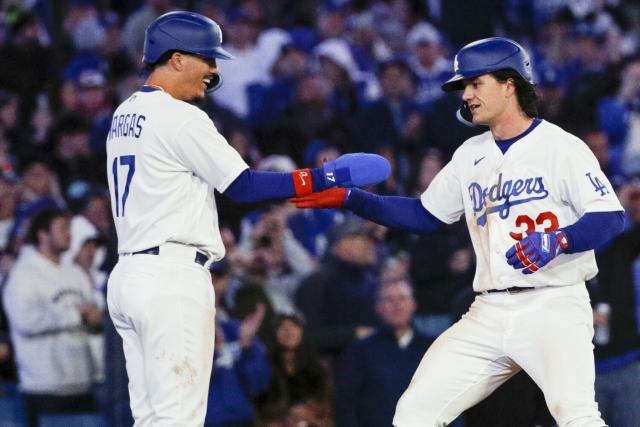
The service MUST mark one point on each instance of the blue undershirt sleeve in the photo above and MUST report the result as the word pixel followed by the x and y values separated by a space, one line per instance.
pixel 593 229
pixel 406 213
pixel 256 186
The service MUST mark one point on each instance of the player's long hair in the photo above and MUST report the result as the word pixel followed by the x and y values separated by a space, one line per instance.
pixel 525 91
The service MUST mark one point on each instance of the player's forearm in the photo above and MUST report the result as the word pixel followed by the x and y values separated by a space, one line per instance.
pixel 593 230
pixel 348 170
pixel 406 213
pixel 256 186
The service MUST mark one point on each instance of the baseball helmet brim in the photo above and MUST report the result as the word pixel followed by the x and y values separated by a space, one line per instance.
pixel 454 83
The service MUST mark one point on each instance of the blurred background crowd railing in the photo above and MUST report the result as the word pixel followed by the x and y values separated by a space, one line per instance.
pixel 322 318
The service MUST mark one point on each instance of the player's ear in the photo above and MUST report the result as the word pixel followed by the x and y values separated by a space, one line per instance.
pixel 510 86
pixel 177 61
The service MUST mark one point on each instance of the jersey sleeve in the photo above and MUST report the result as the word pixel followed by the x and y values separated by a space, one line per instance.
pixel 582 183
pixel 443 197
pixel 202 149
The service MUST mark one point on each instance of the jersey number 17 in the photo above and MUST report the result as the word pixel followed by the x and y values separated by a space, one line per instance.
pixel 121 200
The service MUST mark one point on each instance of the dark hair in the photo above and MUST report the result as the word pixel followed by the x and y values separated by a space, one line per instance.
pixel 162 60
pixel 305 353
pixel 309 379
pixel 41 221
pixel 525 91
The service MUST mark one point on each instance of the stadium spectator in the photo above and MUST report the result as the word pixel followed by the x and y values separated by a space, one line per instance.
pixel 8 205
pixel 241 371
pixel 618 116
pixel 28 74
pixel 51 311
pixel 278 261
pixel 367 47
pixel 350 87
pixel 616 318
pixel 40 189
pixel 300 388
pixel 440 273
pixel 394 119
pixel 337 301
pixel 368 386
pixel 247 66
pixel 73 160
pixel 138 21
pixel 428 61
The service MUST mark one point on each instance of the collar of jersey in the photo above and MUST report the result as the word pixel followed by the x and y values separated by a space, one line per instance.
pixel 504 144
pixel 148 89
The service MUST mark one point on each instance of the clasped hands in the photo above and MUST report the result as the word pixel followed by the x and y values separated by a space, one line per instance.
pixel 348 170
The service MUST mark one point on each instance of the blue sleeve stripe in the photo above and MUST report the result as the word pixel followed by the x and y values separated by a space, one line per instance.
pixel 406 213
pixel 593 230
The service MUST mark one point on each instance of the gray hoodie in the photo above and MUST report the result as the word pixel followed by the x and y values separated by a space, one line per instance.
pixel 51 345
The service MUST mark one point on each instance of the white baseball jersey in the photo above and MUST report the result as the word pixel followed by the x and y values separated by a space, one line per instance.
pixel 546 180
pixel 165 157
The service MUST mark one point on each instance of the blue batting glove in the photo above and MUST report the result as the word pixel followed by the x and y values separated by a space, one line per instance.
pixel 355 170
pixel 536 250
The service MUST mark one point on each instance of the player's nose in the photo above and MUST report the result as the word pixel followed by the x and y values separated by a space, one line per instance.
pixel 467 93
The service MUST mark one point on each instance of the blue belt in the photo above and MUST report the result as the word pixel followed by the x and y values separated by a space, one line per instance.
pixel 201 258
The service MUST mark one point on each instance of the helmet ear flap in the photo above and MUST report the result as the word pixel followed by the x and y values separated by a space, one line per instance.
pixel 464 115
pixel 215 83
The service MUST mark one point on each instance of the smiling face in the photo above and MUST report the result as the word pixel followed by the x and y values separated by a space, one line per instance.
pixel 488 98
pixel 197 72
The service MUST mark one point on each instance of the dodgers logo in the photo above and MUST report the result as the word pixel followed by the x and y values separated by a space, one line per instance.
pixel 504 195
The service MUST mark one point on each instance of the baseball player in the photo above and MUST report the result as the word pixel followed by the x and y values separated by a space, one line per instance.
pixel 165 158
pixel 536 205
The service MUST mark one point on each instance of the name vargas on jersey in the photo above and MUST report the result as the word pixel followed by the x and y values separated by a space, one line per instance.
pixel 510 192
pixel 126 125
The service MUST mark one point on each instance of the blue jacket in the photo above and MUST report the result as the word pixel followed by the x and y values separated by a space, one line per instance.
pixel 238 375
pixel 336 299
pixel 371 376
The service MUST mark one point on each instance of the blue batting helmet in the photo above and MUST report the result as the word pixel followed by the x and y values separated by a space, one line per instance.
pixel 488 55
pixel 186 32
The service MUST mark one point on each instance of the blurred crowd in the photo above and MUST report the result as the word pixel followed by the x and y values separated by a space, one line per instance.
pixel 322 318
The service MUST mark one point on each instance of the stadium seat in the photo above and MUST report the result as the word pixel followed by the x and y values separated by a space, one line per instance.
pixel 12 413
pixel 72 420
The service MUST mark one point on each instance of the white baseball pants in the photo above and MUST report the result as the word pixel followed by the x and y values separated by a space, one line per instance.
pixel 547 332
pixel 163 307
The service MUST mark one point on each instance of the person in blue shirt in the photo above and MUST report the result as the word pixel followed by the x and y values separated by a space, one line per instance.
pixel 372 373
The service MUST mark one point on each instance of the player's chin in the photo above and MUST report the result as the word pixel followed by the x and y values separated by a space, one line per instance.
pixel 477 120
pixel 198 97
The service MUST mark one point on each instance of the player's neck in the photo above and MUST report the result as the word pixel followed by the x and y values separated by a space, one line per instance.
pixel 510 126
pixel 156 83
pixel 158 80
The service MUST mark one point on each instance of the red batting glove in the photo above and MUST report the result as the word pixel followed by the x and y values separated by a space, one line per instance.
pixel 331 198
